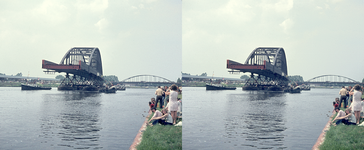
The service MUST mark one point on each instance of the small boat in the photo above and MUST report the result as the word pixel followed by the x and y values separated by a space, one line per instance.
pixel 296 90
pixel 108 90
pixel 219 87
pixel 33 87
pixel 120 87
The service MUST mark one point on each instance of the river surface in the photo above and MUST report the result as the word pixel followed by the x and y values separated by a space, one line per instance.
pixel 54 119
pixel 254 120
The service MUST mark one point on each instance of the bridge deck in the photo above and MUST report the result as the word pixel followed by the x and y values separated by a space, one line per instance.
pixel 81 69
pixel 266 69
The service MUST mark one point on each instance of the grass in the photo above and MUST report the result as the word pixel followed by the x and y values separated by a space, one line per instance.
pixel 344 137
pixel 159 137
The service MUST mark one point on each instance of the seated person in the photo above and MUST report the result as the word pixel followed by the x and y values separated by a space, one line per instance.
pixel 344 117
pixel 163 118
pixel 335 105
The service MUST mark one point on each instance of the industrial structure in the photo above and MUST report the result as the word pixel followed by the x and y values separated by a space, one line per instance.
pixel 268 68
pixel 83 63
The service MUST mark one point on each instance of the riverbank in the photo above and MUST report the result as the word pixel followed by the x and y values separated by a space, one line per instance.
pixel 158 136
pixel 341 136
pixel 161 137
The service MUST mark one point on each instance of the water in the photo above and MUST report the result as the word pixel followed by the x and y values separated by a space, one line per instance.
pixel 254 120
pixel 71 120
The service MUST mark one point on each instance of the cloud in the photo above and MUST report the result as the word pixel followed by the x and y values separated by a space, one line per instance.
pixel 102 24
pixel 94 6
pixel 286 25
pixel 52 11
pixel 236 9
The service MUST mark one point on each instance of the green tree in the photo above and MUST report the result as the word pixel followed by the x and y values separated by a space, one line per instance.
pixel 19 74
pixel 60 77
pixel 295 78
pixel 2 74
pixel 204 74
pixel 111 78
pixel 244 77
pixel 179 81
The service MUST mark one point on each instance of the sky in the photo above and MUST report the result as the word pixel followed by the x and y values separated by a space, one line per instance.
pixel 135 37
pixel 320 37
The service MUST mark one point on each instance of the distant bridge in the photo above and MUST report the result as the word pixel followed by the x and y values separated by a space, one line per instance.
pixel 145 80
pixel 331 80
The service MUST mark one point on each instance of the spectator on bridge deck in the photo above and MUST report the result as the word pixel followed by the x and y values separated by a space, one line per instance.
pixel 343 117
pixel 342 92
pixel 356 105
pixel 159 92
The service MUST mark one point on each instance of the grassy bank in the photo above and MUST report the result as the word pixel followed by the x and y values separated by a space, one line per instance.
pixel 344 137
pixel 159 137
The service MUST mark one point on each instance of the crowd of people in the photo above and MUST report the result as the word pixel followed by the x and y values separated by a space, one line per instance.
pixel 353 111
pixel 169 103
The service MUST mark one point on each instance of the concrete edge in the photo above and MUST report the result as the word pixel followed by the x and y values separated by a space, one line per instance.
pixel 138 137
pixel 321 138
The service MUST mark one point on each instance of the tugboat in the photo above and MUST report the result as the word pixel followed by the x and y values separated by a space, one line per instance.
pixel 33 87
pixel 219 87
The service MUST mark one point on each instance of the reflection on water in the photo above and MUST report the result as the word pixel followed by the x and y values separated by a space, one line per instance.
pixel 71 119
pixel 258 123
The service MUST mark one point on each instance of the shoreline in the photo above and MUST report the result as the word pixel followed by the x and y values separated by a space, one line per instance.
pixel 321 138
pixel 138 137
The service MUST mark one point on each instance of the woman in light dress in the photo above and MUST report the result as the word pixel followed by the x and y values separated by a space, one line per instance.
pixel 173 105
pixel 356 105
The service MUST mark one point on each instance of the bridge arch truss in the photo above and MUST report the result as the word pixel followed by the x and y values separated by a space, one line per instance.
pixel 332 78
pixel 147 78
pixel 268 63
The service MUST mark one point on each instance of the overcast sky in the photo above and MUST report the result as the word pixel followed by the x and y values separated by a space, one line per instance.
pixel 319 37
pixel 134 36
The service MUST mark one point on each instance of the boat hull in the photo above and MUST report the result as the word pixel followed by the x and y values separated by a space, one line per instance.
pixel 28 87
pixel 211 87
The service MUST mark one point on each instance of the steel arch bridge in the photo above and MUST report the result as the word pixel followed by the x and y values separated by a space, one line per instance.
pixel 147 79
pixel 332 79
pixel 268 63
pixel 83 62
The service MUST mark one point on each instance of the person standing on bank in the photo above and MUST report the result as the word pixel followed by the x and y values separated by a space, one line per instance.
pixel 159 92
pixel 342 92
pixel 173 104
pixel 356 105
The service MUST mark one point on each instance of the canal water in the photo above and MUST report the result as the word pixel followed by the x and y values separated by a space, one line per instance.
pixel 253 119
pixel 54 119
